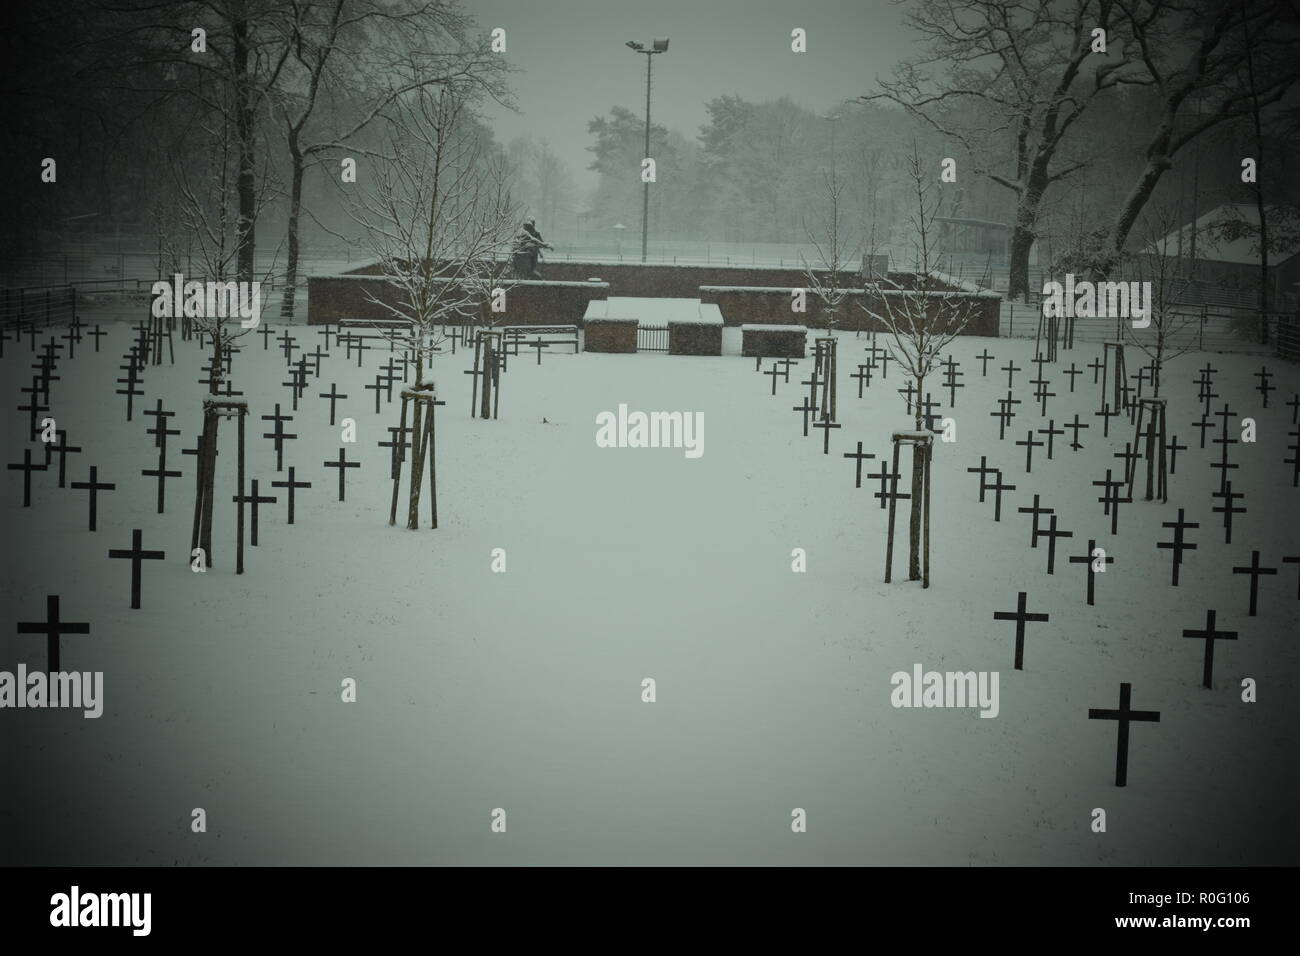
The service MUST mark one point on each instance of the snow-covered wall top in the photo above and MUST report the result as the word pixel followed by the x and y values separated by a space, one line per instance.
pixel 506 283
pixel 873 290
pixel 774 328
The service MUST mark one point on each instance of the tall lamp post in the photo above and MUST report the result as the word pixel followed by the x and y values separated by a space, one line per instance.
pixel 658 45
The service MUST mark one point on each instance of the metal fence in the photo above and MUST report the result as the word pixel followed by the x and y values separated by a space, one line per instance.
pixel 652 338
pixel 1188 327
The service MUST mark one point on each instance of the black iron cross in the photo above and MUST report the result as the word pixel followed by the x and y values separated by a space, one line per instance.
pixel 983 471
pixel 861 457
pixel 136 554
pixel 342 465
pixel 1051 431
pixel 63 449
pixel 254 499
pixel 1088 559
pixel 807 407
pixel 826 425
pixel 1011 369
pixel 333 395
pixel 1228 509
pixel 1035 510
pixel 1294 559
pixel 1029 446
pixel 997 488
pixel 1021 617
pixel 162 474
pixel 1051 534
pixel 863 375
pixel 926 407
pixel 53 629
pixel 1178 545
pixel 1203 425
pixel 1111 500
pixel 1106 413
pixel 887 479
pixel 1174 448
pixel 1209 635
pixel 1124 715
pixel 292 484
pixel 27 468
pixel 1075 426
pixel 1254 570
pixel 94 487
pixel 1263 387
pixel 160 431
pixel 1073 373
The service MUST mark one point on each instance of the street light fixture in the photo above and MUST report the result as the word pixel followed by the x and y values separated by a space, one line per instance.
pixel 657 45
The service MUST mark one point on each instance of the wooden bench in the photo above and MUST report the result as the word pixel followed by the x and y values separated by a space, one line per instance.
pixel 542 336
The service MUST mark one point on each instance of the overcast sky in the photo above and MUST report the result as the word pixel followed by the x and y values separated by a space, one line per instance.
pixel 575 66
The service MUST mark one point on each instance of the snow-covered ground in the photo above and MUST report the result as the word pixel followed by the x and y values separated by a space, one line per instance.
pixel 522 690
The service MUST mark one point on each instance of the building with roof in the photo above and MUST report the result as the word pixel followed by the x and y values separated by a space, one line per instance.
pixel 1230 262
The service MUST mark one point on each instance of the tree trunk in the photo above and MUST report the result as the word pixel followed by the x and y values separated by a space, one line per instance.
pixel 245 129
pixel 417 466
pixel 1158 161
pixel 918 464
pixel 914 524
pixel 218 363
pixel 1022 240
pixel 295 209
pixel 1259 194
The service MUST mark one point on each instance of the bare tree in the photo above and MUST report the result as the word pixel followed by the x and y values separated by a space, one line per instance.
pixel 208 209
pixel 1161 263
pixel 336 47
pixel 920 317
pixel 1029 68
pixel 438 218
pixel 1194 49
pixel 835 252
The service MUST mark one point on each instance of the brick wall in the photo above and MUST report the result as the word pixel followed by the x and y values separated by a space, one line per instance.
pixel 665 281
pixel 603 335
pixel 694 338
pixel 772 307
pixel 330 298
pixel 774 342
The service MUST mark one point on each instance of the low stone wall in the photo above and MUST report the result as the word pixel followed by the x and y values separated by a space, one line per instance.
pixel 655 281
pixel 330 298
pixel 609 335
pixel 694 338
pixel 771 306
pixel 774 341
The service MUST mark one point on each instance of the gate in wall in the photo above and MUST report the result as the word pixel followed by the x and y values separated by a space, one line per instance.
pixel 652 338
